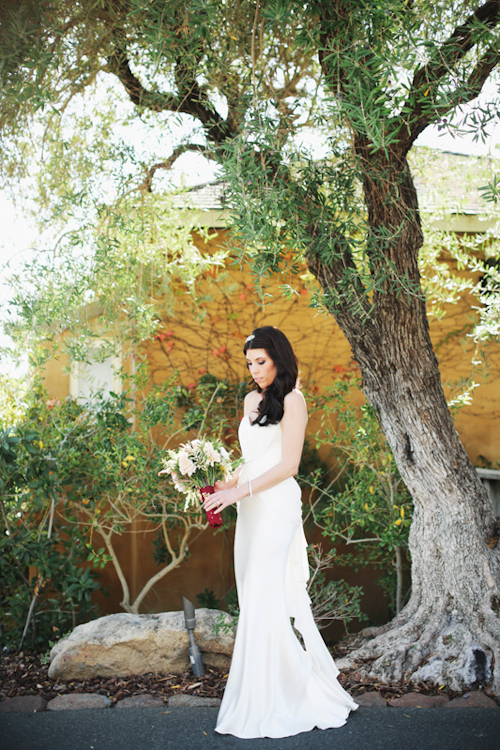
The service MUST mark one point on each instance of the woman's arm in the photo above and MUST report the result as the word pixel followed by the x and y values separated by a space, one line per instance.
pixel 293 426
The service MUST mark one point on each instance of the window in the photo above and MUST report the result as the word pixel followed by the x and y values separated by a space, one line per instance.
pixel 86 378
pixel 491 480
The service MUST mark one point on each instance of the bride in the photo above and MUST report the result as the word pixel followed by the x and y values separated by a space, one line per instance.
pixel 276 687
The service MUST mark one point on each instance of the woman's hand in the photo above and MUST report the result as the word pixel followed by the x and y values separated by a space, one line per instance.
pixel 223 497
pixel 219 485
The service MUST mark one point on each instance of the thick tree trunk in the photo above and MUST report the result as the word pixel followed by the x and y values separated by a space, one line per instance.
pixel 453 610
pixel 449 632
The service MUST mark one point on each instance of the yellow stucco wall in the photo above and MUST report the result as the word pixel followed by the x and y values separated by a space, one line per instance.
pixel 210 336
pixel 56 377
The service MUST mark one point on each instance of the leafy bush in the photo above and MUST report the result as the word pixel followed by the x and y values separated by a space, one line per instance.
pixel 331 600
pixel 46 585
pixel 361 500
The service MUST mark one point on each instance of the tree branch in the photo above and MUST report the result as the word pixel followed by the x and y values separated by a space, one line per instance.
pixel 146 184
pixel 140 96
pixel 192 100
pixel 125 603
pixel 473 88
pixel 351 304
pixel 457 45
pixel 40 582
pixel 177 559
pixel 428 78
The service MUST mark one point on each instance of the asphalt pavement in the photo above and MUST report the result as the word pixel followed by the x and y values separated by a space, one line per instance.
pixel 193 728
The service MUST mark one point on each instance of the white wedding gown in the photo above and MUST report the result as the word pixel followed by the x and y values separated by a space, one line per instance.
pixel 275 687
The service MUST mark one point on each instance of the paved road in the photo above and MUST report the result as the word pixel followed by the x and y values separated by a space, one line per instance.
pixel 192 728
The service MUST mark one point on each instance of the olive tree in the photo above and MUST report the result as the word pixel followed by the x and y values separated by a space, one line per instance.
pixel 252 81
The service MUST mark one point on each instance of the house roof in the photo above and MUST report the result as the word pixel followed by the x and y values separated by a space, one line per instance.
pixel 450 182
pixel 208 196
pixel 447 185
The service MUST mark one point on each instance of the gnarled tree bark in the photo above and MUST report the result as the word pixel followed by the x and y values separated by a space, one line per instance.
pixel 449 632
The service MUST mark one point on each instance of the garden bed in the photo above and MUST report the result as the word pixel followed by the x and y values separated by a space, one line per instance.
pixel 25 674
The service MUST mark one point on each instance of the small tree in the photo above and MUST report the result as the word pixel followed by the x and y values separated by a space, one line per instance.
pixel 76 473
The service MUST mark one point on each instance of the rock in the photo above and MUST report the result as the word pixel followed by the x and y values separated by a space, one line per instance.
pixel 125 644
pixel 418 700
pixel 370 700
pixel 141 701
pixel 216 647
pixel 23 704
pixel 182 700
pixel 476 699
pixel 76 701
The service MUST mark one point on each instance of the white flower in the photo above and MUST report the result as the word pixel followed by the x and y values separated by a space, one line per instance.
pixel 168 464
pixel 192 498
pixel 179 486
pixel 186 466
pixel 211 453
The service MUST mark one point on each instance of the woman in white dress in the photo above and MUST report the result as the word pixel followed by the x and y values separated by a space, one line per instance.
pixel 276 687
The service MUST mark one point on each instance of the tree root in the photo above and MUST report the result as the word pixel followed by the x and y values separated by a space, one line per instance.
pixel 446 650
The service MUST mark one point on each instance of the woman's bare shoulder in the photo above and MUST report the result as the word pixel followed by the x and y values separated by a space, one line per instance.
pixel 253 396
pixel 251 401
pixel 295 401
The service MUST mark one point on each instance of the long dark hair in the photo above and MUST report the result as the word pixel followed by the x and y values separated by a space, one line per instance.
pixel 279 349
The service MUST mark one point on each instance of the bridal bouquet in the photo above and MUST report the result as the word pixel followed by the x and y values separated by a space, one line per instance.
pixel 195 467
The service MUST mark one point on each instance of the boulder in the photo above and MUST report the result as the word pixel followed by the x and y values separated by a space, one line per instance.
pixel 125 644
pixel 214 634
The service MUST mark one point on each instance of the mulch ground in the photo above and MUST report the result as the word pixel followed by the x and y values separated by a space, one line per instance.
pixel 24 674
